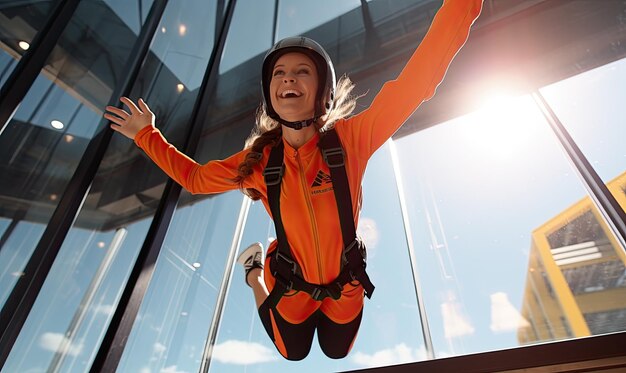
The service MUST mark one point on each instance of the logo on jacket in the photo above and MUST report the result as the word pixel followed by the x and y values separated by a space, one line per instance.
pixel 322 180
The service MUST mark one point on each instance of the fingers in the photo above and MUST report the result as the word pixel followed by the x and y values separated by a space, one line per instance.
pixel 114 119
pixel 131 105
pixel 143 106
pixel 119 112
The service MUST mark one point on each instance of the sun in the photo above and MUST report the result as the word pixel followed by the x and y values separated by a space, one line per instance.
pixel 503 127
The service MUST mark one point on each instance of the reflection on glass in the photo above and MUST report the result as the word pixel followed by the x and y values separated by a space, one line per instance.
pixel 243 43
pixel 298 17
pixel 390 332
pixel 481 190
pixel 43 143
pixel 596 121
pixel 41 148
pixel 576 283
pixel 242 341
pixel 133 13
pixel 172 325
pixel 72 312
pixel 173 322
pixel 19 23
pixel 237 93
pixel 18 240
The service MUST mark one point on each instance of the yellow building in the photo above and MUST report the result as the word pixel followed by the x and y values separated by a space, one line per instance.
pixel 576 283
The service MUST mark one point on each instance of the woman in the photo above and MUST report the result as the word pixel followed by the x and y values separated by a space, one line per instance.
pixel 301 103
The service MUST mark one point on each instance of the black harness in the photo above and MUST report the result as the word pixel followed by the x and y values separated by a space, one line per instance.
pixel 283 267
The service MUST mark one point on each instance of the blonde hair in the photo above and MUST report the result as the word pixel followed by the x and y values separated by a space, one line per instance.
pixel 268 131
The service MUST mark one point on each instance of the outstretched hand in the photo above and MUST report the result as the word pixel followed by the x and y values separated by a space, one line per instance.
pixel 129 124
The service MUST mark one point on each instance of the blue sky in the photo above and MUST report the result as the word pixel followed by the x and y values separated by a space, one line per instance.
pixel 475 188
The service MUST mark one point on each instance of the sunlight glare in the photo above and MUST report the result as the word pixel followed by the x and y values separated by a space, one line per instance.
pixel 502 127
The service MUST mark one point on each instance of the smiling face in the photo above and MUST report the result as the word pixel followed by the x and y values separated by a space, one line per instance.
pixel 293 87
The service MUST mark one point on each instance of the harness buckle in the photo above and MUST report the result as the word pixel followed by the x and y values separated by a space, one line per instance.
pixel 339 161
pixel 316 294
pixel 353 244
pixel 293 264
pixel 273 175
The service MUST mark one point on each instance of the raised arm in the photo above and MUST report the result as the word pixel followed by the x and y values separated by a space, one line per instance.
pixel 417 82
pixel 138 125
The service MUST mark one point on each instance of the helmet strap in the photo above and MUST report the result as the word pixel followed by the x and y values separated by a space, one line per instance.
pixel 299 124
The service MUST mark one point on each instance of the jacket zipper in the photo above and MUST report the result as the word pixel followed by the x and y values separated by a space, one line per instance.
pixel 312 216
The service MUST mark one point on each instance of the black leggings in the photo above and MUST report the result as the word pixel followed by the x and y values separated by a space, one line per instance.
pixel 335 339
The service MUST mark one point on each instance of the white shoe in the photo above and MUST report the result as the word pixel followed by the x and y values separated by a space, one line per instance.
pixel 250 258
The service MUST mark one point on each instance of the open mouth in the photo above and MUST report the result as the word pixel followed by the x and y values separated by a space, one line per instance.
pixel 290 93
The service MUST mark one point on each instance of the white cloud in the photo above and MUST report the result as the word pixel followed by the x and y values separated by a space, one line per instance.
pixel 504 316
pixel 242 353
pixel 455 323
pixel 159 348
pixel 105 309
pixel 369 233
pixel 398 354
pixel 54 341
pixel 172 369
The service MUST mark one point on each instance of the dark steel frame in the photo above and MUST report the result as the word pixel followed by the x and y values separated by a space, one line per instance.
pixel 607 350
pixel 22 298
pixel 606 203
pixel 112 347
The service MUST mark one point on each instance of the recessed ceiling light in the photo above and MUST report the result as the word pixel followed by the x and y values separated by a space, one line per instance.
pixel 163 29
pixel 101 244
pixel 57 124
pixel 196 265
pixel 182 30
pixel 69 138
pixel 24 45
pixel 180 87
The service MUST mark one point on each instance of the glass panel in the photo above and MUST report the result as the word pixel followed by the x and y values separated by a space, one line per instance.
pixel 173 322
pixel 494 208
pixel 587 257
pixel 596 121
pixel 18 240
pixel 390 332
pixel 244 47
pixel 170 331
pixel 43 143
pixel 299 17
pixel 242 341
pixel 19 23
pixel 73 310
pixel 67 323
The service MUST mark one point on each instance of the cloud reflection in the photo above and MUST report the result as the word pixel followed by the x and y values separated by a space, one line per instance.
pixel 399 354
pixel 243 353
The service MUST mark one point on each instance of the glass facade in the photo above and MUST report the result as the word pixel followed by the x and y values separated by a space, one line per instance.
pixel 481 234
pixel 19 23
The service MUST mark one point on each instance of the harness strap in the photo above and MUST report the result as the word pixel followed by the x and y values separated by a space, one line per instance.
pixel 335 159
pixel 284 268
pixel 273 175
pixel 334 156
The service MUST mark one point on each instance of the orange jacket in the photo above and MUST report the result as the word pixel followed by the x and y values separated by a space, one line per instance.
pixel 308 206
